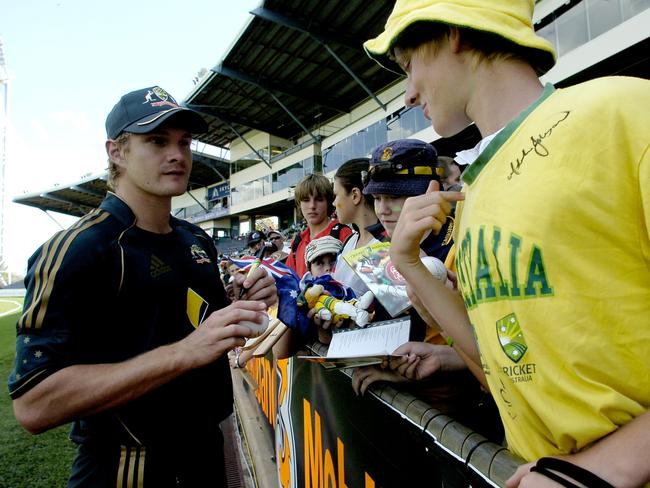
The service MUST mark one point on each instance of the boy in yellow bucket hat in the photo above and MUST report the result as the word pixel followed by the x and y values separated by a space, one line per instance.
pixel 553 247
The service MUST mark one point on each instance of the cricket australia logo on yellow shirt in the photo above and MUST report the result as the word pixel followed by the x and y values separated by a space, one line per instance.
pixel 497 267
pixel 513 344
pixel 511 337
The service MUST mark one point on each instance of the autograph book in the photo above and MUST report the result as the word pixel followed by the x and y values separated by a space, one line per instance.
pixel 373 265
pixel 352 348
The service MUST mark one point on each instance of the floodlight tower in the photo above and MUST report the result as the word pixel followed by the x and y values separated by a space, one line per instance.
pixel 4 82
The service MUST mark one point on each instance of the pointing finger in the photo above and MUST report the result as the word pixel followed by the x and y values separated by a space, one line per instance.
pixel 433 186
pixel 453 196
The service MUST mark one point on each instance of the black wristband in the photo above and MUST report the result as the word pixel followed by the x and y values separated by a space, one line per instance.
pixel 555 477
pixel 581 475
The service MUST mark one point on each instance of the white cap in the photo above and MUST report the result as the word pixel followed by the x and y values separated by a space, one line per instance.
pixel 323 245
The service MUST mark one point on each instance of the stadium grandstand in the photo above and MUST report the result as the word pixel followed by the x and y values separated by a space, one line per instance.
pixel 296 94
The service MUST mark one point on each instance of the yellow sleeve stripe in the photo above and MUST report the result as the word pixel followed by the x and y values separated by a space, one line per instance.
pixel 44 260
pixel 48 265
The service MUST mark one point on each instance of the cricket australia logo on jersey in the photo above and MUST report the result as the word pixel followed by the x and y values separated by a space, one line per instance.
pixel 513 344
pixel 511 337
pixel 199 255
pixel 493 267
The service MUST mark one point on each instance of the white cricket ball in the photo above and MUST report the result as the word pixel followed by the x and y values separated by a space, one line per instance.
pixel 435 267
pixel 257 329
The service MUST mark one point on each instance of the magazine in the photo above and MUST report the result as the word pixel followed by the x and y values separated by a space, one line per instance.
pixel 352 348
pixel 373 265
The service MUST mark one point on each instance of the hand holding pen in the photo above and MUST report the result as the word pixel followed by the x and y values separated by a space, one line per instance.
pixel 249 275
pixel 251 271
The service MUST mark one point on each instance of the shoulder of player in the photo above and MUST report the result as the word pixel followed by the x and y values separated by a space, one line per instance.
pixel 90 235
pixel 77 251
pixel 190 230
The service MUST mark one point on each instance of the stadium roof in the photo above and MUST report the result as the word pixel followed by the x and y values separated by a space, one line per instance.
pixel 296 65
pixel 77 199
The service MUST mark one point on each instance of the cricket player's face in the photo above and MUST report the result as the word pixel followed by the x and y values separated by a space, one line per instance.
pixel 158 163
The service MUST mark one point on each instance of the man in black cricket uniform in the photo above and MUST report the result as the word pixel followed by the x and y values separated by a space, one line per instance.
pixel 126 324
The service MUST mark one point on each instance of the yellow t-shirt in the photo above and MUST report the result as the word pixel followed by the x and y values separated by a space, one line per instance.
pixel 553 260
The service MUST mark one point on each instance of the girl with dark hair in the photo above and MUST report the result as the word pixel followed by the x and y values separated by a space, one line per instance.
pixel 356 209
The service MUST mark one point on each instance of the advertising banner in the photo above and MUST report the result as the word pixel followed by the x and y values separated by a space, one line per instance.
pixel 328 437
pixel 219 191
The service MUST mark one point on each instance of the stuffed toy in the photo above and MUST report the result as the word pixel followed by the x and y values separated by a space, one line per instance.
pixel 330 308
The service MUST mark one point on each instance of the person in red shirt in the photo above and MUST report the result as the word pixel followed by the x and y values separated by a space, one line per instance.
pixel 314 197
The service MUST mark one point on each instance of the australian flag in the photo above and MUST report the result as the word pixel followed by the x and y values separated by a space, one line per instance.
pixel 288 285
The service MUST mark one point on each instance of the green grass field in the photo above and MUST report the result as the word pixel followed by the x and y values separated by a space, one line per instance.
pixel 26 461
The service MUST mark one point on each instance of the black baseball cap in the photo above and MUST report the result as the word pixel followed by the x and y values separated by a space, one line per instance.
pixel 142 111
pixel 255 237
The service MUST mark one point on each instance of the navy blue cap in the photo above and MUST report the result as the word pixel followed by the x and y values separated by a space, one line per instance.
pixel 401 167
pixel 255 237
pixel 142 111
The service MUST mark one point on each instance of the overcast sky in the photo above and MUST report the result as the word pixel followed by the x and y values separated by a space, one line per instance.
pixel 69 62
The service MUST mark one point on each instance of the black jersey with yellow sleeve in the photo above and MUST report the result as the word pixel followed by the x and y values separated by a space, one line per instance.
pixel 104 291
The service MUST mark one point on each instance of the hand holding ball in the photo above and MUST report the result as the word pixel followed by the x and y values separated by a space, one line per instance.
pixel 256 329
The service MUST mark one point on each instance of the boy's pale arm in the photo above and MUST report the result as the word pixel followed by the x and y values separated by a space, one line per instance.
pixel 621 458
pixel 447 308
pixel 420 214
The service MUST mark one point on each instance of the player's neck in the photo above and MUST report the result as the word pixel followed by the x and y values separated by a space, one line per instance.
pixel 152 212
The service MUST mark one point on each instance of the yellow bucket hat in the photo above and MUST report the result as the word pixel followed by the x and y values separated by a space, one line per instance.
pixel 510 19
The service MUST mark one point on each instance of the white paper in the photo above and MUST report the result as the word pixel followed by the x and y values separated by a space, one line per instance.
pixel 380 339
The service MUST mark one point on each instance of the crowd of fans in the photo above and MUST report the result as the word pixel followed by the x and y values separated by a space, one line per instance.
pixel 361 207
pixel 541 312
